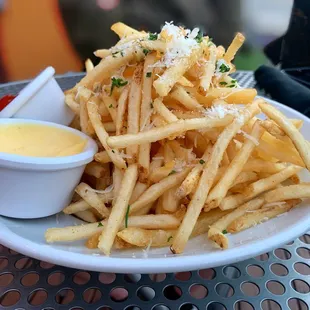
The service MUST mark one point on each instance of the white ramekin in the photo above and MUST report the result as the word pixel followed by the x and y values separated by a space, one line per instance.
pixel 42 99
pixel 35 187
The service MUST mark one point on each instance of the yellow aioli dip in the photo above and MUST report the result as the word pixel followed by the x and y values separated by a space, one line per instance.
pixel 39 140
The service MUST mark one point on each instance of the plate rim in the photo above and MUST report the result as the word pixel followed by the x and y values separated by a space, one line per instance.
pixel 177 263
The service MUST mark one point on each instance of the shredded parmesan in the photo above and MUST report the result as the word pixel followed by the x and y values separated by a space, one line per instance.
pixel 146 250
pixel 158 158
pixel 272 204
pixel 247 136
pixel 179 165
pixel 109 189
pixel 218 72
pixel 221 110
pixel 179 42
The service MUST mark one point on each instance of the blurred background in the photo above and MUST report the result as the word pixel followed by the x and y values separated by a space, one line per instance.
pixel 63 33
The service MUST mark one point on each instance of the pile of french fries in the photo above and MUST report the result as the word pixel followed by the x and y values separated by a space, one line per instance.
pixel 181 150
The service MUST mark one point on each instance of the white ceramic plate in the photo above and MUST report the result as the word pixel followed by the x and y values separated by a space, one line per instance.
pixel 27 237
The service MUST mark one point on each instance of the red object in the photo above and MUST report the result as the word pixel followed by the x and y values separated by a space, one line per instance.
pixel 5 100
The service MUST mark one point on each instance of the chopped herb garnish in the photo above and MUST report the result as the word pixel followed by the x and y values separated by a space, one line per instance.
pixel 145 51
pixel 232 86
pixel 122 53
pixel 199 37
pixel 113 151
pixel 223 83
pixel 153 36
pixel 233 81
pixel 114 54
pixel 148 74
pixel 117 82
pixel 152 106
pixel 172 172
pixel 224 232
pixel 100 224
pixel 224 68
pixel 126 217
pixel 110 106
pixel 168 240
pixel 201 161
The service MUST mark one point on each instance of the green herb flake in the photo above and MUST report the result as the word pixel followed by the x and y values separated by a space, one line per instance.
pixel 223 83
pixel 114 54
pixel 231 86
pixel 168 240
pixel 224 68
pixel 152 106
pixel 172 172
pixel 122 53
pixel 201 161
pixel 126 217
pixel 100 224
pixel 113 151
pixel 117 82
pixel 148 74
pixel 145 51
pixel 153 36
pixel 199 37
pixel 110 106
pixel 224 232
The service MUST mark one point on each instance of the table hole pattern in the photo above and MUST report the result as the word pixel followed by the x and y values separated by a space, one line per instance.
pixel 27 283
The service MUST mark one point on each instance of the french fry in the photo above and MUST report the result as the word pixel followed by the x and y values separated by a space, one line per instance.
pixel 111 104
pixel 157 134
pixel 108 66
pixel 139 189
pixel 103 135
pixel 234 169
pixel 215 232
pixel 163 111
pixel 134 106
pixel 72 104
pixel 258 165
pixel 164 84
pixel 258 187
pixel 162 172
pixel 156 190
pixel 102 53
pixel 117 180
pixel 234 47
pixel 230 95
pixel 91 197
pixel 192 179
pixel 122 30
pixel 118 210
pixel 183 81
pixel 89 65
pixel 189 102
pixel 157 45
pixel 159 238
pixel 121 109
pixel 102 157
pixel 208 70
pixel 97 170
pixel 253 218
pixel 297 191
pixel 243 177
pixel 84 96
pixel 299 141
pixel 208 176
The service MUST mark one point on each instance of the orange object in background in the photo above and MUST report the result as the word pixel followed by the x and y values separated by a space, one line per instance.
pixel 32 37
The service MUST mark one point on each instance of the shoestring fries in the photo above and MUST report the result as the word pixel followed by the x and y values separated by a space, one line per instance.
pixel 181 150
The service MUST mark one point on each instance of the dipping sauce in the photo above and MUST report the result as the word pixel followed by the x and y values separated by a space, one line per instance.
pixel 39 140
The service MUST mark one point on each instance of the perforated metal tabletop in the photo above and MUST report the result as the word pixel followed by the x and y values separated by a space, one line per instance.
pixel 273 281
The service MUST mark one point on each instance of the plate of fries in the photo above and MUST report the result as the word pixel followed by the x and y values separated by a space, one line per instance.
pixel 192 171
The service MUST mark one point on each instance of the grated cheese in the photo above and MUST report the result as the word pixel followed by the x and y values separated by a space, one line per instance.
pixel 146 120
pixel 218 72
pixel 179 165
pixel 109 189
pixel 158 158
pixel 272 204
pixel 147 249
pixel 247 136
pixel 221 110
pixel 180 43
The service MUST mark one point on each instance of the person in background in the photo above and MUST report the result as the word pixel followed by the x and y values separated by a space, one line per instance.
pixel 63 33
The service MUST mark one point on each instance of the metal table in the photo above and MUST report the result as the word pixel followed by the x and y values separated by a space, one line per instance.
pixel 275 280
